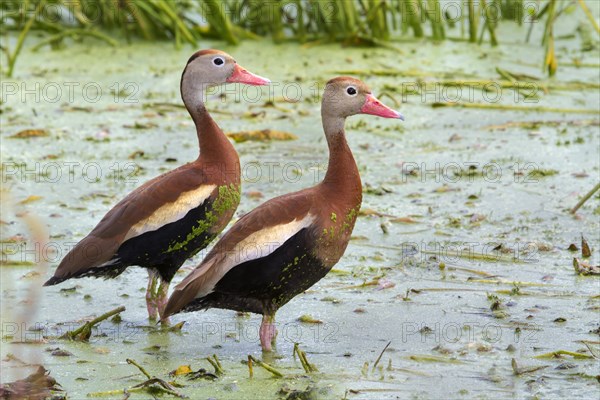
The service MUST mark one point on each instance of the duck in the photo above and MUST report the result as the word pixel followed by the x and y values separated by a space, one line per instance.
pixel 287 244
pixel 173 216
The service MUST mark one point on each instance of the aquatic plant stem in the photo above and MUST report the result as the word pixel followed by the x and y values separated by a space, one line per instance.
pixel 84 332
pixel 585 198
pixel 218 20
pixel 550 61
pixel 74 32
pixel 490 24
pixel 250 369
pixel 308 367
pixel 413 13
pixel 435 17
pixel 12 58
pixel 381 355
pixel 473 18
pixel 588 13
pixel 266 366
pixel 142 370
pixel 214 361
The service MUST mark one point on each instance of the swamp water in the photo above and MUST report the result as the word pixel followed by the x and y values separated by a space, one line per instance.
pixel 459 260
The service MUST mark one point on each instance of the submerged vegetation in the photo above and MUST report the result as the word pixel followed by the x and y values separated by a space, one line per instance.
pixel 350 22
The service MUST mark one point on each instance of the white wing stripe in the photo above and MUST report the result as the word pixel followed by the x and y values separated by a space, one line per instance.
pixel 258 245
pixel 171 212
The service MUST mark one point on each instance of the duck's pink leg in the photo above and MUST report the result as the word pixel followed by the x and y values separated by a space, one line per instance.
pixel 151 303
pixel 162 297
pixel 267 332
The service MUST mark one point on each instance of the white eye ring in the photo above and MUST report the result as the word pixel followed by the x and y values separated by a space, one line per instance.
pixel 218 61
pixel 349 90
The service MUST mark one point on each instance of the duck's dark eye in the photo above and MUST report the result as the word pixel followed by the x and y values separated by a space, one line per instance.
pixel 218 61
pixel 351 90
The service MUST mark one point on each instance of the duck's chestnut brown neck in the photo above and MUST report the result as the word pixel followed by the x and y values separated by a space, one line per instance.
pixel 342 175
pixel 213 144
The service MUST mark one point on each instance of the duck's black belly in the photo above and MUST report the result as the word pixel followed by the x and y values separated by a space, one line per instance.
pixel 167 248
pixel 265 284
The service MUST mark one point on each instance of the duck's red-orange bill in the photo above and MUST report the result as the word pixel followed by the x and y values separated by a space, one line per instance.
pixel 242 75
pixel 375 107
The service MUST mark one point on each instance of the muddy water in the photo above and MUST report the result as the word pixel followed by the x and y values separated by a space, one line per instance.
pixel 424 270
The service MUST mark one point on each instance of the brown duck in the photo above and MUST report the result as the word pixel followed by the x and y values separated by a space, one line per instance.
pixel 287 244
pixel 173 216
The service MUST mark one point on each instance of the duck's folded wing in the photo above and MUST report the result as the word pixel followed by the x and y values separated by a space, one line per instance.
pixel 160 201
pixel 256 235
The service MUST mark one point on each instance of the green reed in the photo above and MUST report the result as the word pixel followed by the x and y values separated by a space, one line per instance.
pixel 351 22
